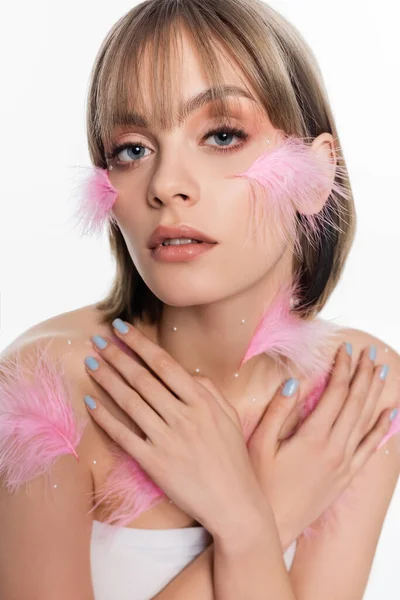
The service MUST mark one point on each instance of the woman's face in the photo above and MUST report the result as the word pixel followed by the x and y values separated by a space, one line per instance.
pixel 185 176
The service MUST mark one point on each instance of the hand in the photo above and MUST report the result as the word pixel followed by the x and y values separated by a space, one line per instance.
pixel 194 450
pixel 303 475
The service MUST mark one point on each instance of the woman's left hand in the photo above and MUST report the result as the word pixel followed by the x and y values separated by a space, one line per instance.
pixel 195 449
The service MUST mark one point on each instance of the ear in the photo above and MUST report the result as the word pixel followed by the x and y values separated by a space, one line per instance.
pixel 323 147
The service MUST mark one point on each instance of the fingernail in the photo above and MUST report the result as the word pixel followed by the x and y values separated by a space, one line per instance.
pixel 393 414
pixel 384 371
pixel 89 402
pixel 99 341
pixel 290 386
pixel 372 353
pixel 349 348
pixel 120 325
pixel 91 363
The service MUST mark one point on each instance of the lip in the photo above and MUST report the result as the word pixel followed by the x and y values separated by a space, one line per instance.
pixel 180 253
pixel 163 232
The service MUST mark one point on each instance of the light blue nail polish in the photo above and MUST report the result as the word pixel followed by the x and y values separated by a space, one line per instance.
pixel 89 402
pixel 99 341
pixel 349 348
pixel 393 414
pixel 384 371
pixel 290 386
pixel 120 325
pixel 372 353
pixel 91 363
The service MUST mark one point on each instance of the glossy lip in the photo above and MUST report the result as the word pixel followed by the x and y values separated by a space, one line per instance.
pixel 180 253
pixel 162 233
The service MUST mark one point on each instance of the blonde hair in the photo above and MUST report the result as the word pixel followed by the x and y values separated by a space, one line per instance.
pixel 281 68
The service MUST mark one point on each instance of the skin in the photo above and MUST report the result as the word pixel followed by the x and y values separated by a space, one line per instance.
pixel 205 299
pixel 207 305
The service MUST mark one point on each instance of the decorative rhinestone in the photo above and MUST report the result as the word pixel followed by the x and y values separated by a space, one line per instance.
pixel 174 329
pixel 111 167
pixel 55 485
pixel 243 320
pixel 95 462
pixel 386 451
pixel 253 399
pixel 236 375
pixel 197 370
pixel 69 341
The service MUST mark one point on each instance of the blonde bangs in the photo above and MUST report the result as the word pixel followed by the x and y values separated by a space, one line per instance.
pixel 148 64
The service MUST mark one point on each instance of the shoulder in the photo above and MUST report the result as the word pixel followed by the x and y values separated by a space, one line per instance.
pixel 42 372
pixel 385 354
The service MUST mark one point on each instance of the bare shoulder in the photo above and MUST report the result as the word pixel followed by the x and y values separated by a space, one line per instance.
pixel 385 354
pixel 73 325
pixel 64 340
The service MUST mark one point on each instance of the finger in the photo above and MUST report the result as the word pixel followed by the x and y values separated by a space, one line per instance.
pixel 127 439
pixel 354 403
pixel 372 441
pixel 126 398
pixel 266 435
pixel 364 422
pixel 219 397
pixel 139 379
pixel 319 423
pixel 175 377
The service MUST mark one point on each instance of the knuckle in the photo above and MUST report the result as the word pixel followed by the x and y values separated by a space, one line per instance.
pixel 143 381
pixel 342 379
pixel 335 457
pixel 162 363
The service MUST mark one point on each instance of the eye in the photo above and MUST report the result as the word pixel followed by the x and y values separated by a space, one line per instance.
pixel 230 131
pixel 134 150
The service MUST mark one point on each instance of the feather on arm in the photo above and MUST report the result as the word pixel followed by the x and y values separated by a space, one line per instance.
pixel 37 422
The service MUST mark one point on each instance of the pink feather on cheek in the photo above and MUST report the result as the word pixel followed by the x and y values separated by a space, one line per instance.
pixel 288 180
pixel 96 197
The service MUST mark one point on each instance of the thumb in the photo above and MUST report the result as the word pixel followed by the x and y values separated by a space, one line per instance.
pixel 266 434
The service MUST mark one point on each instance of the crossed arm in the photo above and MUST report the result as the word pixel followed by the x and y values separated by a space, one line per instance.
pixel 249 566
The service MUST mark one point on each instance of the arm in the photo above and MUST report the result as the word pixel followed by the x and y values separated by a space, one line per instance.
pixel 332 564
pixel 336 563
pixel 237 568
pixel 45 531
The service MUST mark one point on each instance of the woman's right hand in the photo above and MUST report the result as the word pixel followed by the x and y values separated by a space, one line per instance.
pixel 302 475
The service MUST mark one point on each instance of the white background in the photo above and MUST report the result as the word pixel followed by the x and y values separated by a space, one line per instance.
pixel 47 50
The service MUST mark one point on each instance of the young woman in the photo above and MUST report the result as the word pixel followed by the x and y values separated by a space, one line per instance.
pixel 232 444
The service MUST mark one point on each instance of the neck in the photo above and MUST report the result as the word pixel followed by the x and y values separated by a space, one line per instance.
pixel 211 339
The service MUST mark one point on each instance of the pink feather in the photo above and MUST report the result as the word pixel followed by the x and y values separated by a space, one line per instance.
pixel 128 490
pixel 290 179
pixel 96 197
pixel 284 335
pixel 37 422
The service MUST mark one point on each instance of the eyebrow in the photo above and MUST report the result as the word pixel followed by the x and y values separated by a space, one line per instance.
pixel 134 119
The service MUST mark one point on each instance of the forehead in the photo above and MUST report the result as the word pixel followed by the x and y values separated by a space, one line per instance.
pixel 205 98
pixel 161 88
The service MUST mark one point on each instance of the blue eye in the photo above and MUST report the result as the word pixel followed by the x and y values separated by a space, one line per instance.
pixel 136 146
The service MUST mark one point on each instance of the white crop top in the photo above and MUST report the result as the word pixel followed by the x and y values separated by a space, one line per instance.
pixel 136 564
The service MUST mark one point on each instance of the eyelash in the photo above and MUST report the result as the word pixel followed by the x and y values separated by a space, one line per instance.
pixel 238 132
